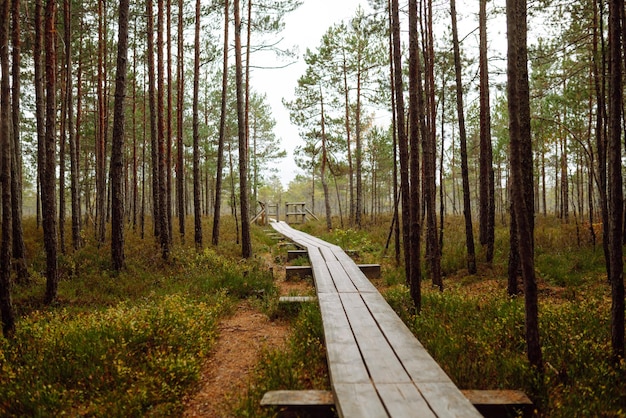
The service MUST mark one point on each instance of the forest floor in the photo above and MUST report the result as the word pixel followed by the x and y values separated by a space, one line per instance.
pixel 242 338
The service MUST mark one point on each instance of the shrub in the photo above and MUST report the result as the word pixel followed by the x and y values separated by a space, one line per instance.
pixel 127 360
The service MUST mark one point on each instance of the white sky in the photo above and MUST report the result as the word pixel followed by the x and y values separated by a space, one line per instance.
pixel 304 28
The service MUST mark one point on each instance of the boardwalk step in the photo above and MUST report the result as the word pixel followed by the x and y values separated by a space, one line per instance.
pixel 500 403
pixel 371 271
pixel 293 254
pixel 300 272
pixel 318 403
pixel 297 299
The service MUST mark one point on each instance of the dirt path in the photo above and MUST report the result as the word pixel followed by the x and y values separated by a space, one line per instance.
pixel 226 373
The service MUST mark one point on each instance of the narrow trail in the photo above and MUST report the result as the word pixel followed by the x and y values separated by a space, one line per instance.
pixel 242 337
pixel 225 375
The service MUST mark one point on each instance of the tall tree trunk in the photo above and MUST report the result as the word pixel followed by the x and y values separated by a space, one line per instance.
pixel 246 244
pixel 358 152
pixel 346 93
pixel 521 163
pixel 161 152
pixel 403 145
pixel 79 118
pixel 429 144
pixel 486 188
pixel 135 167
pixel 168 127
pixel 416 106
pixel 615 192
pixel 69 97
pixel 396 215
pixel 117 150
pixel 101 188
pixel 329 220
pixel 62 154
pixel 600 127
pixel 222 133
pixel 247 80
pixel 19 248
pixel 40 101
pixel 48 201
pixel 7 314
pixel 513 262
pixel 197 209
pixel 180 163
pixel 153 119
pixel 467 207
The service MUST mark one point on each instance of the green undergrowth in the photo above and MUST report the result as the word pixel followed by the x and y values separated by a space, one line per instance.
pixel 479 341
pixel 476 332
pixel 301 365
pixel 122 344
pixel 133 359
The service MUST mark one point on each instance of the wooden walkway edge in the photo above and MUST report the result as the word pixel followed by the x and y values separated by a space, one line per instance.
pixel 377 367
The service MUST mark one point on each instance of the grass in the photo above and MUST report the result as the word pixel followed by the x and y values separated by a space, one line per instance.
pixel 121 344
pixel 131 344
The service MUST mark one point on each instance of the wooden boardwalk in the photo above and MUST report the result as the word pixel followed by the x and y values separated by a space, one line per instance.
pixel 377 367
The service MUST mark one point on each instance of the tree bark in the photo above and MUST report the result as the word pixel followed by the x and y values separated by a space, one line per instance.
pixel 522 168
pixel 415 96
pixel 180 163
pixel 197 209
pixel 7 314
pixel 40 101
pixel 614 193
pixel 427 118
pixel 467 208
pixel 19 248
pixel 161 151
pixel 346 92
pixel 403 147
pixel 48 201
pixel 394 117
pixel 153 118
pixel 486 188
pixel 246 244
pixel 117 150
pixel 168 123
pixel 222 134
pixel 69 97
pixel 329 221
pixel 101 190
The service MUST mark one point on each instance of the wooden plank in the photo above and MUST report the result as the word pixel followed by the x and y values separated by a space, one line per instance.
pixel 294 254
pixel 358 400
pixel 344 359
pixel 416 360
pixel 359 280
pixel 297 299
pixel 321 275
pixel 381 361
pixel 446 400
pixel 500 403
pixel 371 271
pixel 497 397
pixel 404 400
pixel 328 254
pixel 301 272
pixel 298 398
pixel 340 277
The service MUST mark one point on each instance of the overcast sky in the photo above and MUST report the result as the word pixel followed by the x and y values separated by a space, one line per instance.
pixel 304 29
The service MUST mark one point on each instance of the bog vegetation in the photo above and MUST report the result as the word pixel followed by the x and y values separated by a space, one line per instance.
pixel 132 343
